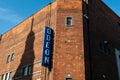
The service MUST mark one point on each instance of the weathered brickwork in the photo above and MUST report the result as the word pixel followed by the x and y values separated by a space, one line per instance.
pixel 69 47
pixel 77 53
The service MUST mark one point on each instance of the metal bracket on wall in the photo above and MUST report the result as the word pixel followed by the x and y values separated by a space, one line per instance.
pixel 86 16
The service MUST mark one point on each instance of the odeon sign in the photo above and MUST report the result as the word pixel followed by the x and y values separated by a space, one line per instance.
pixel 47 47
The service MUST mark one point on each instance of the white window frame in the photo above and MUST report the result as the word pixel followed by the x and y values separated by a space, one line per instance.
pixel 8 76
pixel 71 21
pixel 4 75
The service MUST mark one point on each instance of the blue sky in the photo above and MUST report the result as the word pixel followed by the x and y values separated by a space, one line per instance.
pixel 12 12
pixel 114 5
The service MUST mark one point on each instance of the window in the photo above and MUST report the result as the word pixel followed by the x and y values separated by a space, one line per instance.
pixel 27 70
pixel 3 77
pixel 30 68
pixel 6 76
pixel 118 23
pixel 104 47
pixel 69 21
pixel 10 57
pixel 69 79
pixel 117 53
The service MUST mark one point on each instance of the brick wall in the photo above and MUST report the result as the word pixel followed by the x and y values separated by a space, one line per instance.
pixel 103 27
pixel 69 46
pixel 76 49
pixel 25 40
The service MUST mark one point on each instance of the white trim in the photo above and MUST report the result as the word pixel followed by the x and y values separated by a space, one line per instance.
pixel 4 75
pixel 37 72
pixel 8 76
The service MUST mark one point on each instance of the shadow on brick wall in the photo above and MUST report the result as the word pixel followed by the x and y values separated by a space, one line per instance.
pixel 25 69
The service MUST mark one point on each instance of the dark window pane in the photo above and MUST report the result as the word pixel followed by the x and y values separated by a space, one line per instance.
pixel 104 48
pixel 69 79
pixel 69 21
pixel 25 71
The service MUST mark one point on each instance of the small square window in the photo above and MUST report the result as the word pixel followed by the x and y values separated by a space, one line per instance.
pixel 69 21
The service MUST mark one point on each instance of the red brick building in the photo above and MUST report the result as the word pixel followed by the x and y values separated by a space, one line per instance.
pixel 85 43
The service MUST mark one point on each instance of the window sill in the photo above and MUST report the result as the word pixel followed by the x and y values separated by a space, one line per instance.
pixel 69 26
